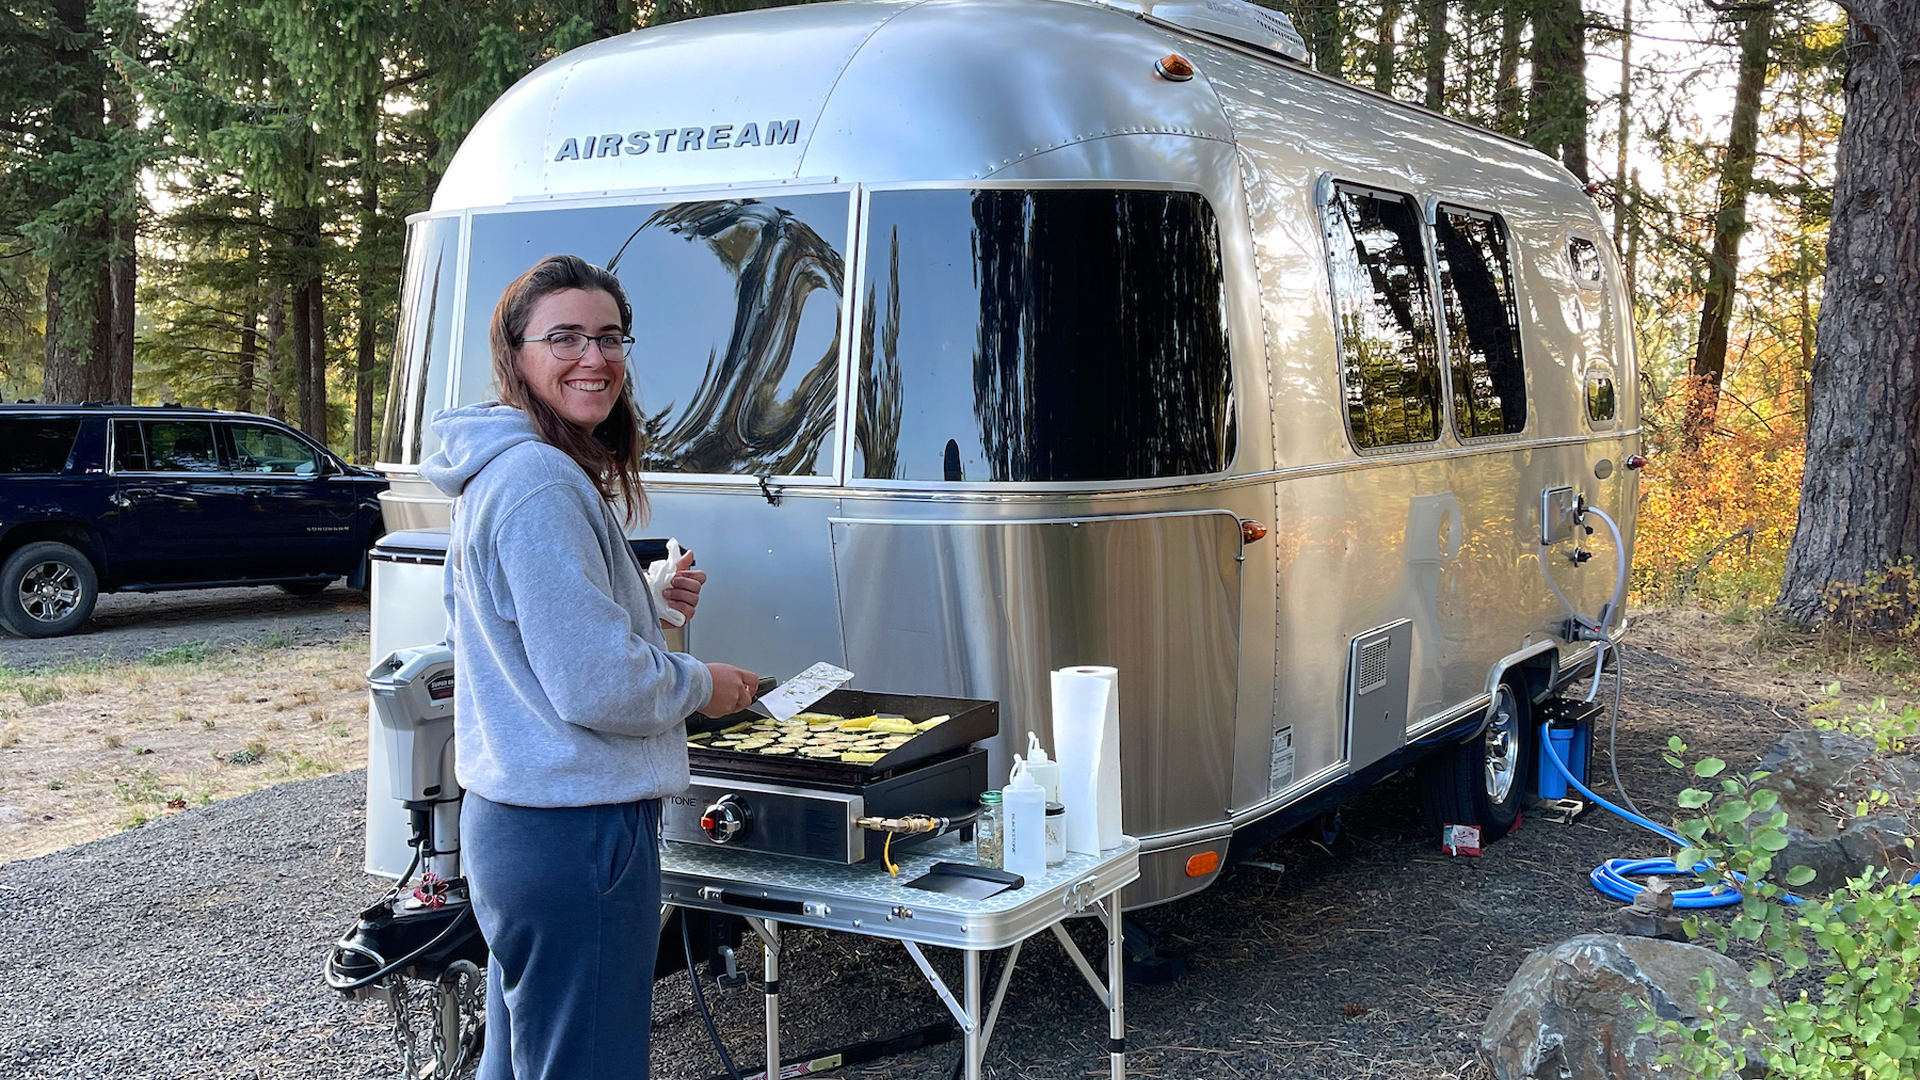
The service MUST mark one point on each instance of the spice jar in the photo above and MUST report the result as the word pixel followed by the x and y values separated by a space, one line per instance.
pixel 989 839
pixel 1056 833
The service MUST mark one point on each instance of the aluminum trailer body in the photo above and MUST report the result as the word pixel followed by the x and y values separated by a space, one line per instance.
pixel 862 240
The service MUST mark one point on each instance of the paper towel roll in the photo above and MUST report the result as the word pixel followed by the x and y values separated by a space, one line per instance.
pixel 1086 740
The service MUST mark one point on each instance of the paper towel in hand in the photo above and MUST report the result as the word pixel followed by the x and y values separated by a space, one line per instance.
pixel 660 578
pixel 1086 742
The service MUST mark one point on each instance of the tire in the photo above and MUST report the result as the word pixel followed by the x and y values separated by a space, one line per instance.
pixel 1483 781
pixel 47 589
pixel 304 588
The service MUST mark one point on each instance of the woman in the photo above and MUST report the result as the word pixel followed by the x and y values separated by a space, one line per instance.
pixel 569 706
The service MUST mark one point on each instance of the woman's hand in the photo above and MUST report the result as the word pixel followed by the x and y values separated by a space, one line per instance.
pixel 733 689
pixel 683 594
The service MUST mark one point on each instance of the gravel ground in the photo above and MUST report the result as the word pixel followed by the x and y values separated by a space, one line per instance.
pixel 128 626
pixel 190 948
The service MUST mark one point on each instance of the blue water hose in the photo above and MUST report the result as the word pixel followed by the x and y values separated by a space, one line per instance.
pixel 1614 877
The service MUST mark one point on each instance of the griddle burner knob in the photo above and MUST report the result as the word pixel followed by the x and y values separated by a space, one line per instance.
pixel 726 820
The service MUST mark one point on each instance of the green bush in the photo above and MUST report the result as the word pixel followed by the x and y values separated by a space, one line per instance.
pixel 1859 947
pixel 1890 731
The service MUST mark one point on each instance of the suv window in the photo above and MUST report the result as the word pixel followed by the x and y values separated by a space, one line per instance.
pixel 1483 324
pixel 1043 335
pixel 258 448
pixel 164 446
pixel 1384 307
pixel 37 444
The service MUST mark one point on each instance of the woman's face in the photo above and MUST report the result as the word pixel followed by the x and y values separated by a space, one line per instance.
pixel 581 390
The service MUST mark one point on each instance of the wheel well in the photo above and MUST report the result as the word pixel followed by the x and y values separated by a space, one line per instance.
pixel 66 532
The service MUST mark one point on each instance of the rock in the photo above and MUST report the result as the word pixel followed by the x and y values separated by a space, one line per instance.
pixel 1812 770
pixel 1564 1017
pixel 1880 840
pixel 1651 913
pixel 1830 863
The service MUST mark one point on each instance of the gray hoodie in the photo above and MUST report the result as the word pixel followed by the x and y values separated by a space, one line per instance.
pixel 566 694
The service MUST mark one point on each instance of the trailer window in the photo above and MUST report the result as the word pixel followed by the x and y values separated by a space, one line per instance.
pixel 736 316
pixel 37 444
pixel 1384 306
pixel 1053 335
pixel 1483 324
pixel 417 386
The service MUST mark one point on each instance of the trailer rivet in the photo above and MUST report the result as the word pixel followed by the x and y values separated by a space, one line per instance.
pixel 1173 67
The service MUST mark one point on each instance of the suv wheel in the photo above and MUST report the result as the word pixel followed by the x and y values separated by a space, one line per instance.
pixel 47 589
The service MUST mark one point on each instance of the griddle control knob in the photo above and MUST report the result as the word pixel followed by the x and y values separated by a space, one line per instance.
pixel 726 820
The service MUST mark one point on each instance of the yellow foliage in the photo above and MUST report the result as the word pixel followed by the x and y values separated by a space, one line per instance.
pixel 1715 525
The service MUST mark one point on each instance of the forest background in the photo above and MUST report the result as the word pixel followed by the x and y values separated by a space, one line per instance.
pixel 204 201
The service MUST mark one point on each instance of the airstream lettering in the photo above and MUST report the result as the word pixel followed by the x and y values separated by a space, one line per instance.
pixel 1281 397
pixel 717 137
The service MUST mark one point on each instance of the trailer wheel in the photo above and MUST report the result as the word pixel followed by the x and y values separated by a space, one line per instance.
pixel 1483 781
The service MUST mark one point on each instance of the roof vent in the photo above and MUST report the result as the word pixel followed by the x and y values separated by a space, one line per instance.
pixel 1236 20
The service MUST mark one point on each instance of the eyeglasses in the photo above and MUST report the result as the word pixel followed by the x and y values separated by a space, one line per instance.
pixel 568 345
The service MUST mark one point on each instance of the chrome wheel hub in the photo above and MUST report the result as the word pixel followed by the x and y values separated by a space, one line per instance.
pixel 1502 744
pixel 49 591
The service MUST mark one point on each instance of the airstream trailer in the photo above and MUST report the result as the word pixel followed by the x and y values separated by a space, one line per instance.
pixel 978 338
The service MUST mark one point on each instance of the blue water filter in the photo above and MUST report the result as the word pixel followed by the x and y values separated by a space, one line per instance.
pixel 1552 784
pixel 1582 745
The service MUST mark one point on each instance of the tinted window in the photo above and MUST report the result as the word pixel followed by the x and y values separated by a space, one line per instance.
pixel 129 447
pixel 1483 324
pixel 1384 307
pixel 261 449
pixel 1043 336
pixel 736 312
pixel 418 386
pixel 180 446
pixel 1600 398
pixel 36 444
pixel 1586 261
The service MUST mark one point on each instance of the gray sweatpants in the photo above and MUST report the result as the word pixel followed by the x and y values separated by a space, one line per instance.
pixel 569 901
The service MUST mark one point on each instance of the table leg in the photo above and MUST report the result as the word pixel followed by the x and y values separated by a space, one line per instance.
pixel 771 948
pixel 975 1047
pixel 1116 990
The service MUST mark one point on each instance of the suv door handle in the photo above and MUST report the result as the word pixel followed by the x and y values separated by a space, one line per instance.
pixel 119 500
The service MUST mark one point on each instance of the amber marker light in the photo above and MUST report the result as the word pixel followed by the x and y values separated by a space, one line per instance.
pixel 1173 67
pixel 1203 864
pixel 1251 530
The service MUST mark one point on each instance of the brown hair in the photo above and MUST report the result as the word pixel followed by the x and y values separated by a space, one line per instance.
pixel 610 454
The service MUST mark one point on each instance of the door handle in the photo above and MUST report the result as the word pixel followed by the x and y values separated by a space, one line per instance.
pixel 119 500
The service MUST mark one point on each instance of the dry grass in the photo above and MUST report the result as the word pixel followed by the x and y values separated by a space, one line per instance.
pixel 94 748
pixel 1765 658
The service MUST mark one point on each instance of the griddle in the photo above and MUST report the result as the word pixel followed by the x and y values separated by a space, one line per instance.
pixel 968 722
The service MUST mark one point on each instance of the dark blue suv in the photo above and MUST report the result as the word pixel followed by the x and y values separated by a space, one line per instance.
pixel 110 498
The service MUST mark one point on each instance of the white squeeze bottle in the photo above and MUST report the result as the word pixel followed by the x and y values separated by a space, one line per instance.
pixel 1024 808
pixel 1044 770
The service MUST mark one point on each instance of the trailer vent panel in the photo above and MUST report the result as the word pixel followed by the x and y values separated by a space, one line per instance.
pixel 1379 675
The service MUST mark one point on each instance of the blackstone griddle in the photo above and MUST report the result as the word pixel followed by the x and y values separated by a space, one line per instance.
pixel 807 807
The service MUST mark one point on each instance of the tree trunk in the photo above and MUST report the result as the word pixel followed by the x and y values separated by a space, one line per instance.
pixel 1383 46
pixel 249 351
pixel 364 317
pixel 1729 227
pixel 1507 102
pixel 64 380
pixel 124 269
pixel 1434 25
pixel 317 370
pixel 276 332
pixel 99 366
pixel 606 18
pixel 1620 188
pixel 1859 501
pixel 302 332
pixel 1557 97
pixel 1323 35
